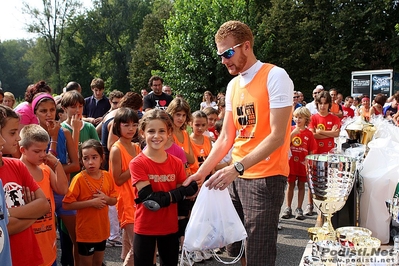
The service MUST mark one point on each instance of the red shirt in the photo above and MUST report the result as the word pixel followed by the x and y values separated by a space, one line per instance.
pixel 325 123
pixel 24 247
pixel 347 112
pixel 162 177
pixel 302 144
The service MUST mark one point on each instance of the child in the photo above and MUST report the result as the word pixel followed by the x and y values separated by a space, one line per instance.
pixel 25 200
pixel 47 171
pixel 72 102
pixel 63 147
pixel 207 101
pixel 325 128
pixel 122 152
pixel 157 177
pixel 179 110
pixel 302 144
pixel 9 99
pixel 201 144
pixel 212 115
pixel 96 105
pixel 90 193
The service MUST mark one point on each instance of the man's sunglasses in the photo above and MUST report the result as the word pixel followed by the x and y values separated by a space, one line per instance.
pixel 229 52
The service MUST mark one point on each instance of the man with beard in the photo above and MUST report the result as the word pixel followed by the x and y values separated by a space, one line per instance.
pixel 258 107
pixel 157 99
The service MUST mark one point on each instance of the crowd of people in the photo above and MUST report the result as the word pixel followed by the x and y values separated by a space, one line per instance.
pixel 124 170
pixel 316 124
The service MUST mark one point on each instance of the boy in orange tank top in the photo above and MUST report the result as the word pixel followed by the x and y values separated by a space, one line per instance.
pixel 47 171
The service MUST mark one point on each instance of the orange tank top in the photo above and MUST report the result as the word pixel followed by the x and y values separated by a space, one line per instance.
pixel 44 227
pixel 185 145
pixel 125 205
pixel 201 152
pixel 251 114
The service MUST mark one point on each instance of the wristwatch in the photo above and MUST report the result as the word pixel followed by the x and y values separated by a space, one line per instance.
pixel 239 167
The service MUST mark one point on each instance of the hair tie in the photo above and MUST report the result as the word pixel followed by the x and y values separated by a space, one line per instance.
pixel 37 99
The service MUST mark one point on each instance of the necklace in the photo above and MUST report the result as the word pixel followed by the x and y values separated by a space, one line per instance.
pixel 89 184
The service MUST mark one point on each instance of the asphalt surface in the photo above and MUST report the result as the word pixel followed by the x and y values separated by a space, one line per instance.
pixel 291 243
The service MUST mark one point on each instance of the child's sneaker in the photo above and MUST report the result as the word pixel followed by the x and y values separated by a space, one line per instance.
pixel 287 213
pixel 196 256
pixel 113 243
pixel 206 254
pixel 299 214
pixel 309 210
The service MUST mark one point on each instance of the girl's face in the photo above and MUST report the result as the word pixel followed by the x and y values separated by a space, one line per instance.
pixel 179 118
pixel 91 160
pixel 156 134
pixel 10 134
pixel 7 101
pixel 200 125
pixel 45 112
pixel 76 109
pixel 366 102
pixel 207 97
pixel 212 118
pixel 323 106
pixel 300 121
pixel 128 130
pixel 36 153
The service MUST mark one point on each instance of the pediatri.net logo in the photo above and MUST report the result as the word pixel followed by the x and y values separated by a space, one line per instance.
pixel 360 256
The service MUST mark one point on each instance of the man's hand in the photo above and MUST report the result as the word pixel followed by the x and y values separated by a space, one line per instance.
pixel 222 178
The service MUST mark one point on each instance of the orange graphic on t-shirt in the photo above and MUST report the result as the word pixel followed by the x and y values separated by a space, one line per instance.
pixel 321 127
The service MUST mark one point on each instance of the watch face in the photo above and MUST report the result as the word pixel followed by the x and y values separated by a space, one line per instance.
pixel 239 167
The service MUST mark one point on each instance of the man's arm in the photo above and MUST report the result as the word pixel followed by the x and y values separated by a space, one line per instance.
pixel 279 118
pixel 220 148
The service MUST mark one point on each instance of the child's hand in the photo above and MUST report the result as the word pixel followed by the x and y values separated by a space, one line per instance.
pixel 53 127
pixel 50 160
pixel 76 122
pixel 98 202
pixel 29 196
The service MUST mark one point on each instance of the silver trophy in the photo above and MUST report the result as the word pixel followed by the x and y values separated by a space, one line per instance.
pixel 330 178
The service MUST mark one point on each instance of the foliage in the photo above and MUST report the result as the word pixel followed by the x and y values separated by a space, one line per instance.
pixel 145 58
pixel 13 68
pixel 188 51
pixel 50 22
pixel 321 42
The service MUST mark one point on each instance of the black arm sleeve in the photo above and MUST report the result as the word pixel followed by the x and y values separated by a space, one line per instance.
pixel 180 193
pixel 153 200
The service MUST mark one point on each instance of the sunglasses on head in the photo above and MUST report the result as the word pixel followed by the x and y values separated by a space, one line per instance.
pixel 229 52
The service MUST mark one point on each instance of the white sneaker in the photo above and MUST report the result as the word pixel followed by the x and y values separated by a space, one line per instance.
pixel 196 256
pixel 206 254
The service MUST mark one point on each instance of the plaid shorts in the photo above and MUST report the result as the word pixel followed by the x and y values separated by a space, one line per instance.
pixel 258 203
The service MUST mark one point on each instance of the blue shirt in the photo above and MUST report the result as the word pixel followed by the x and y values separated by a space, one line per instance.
pixel 94 108
pixel 5 251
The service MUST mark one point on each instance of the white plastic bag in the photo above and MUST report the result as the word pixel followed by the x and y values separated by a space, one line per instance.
pixel 214 223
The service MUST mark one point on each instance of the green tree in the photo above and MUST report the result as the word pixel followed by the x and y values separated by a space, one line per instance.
pixel 49 22
pixel 188 51
pixel 13 68
pixel 105 38
pixel 321 42
pixel 145 58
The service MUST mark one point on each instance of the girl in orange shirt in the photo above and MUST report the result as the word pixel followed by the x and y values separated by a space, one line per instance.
pixel 201 144
pixel 180 112
pixel 90 193
pixel 122 152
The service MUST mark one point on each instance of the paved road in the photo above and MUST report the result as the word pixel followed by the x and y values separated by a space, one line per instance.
pixel 292 240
